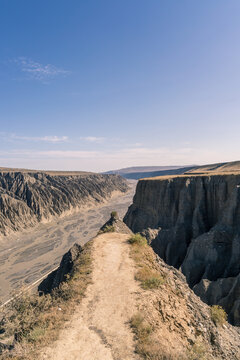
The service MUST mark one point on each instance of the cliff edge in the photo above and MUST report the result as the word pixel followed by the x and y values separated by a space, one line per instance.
pixel 119 300
pixel 193 224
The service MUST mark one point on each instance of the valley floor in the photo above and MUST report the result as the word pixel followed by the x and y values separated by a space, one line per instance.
pixel 99 328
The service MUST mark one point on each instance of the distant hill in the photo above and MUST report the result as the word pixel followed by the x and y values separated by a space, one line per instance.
pixel 47 172
pixel 141 169
pixel 140 172
pixel 233 166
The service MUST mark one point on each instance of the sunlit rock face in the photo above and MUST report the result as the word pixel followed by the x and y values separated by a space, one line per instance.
pixel 29 198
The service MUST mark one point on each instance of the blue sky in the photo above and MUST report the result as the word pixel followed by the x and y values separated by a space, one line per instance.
pixel 97 85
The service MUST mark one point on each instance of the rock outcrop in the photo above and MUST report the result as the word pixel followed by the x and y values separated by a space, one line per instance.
pixel 223 292
pixel 195 226
pixel 29 198
pixel 55 278
pixel 115 224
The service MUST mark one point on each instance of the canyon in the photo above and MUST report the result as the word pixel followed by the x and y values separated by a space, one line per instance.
pixel 83 201
pixel 27 198
pixel 96 306
pixel 191 223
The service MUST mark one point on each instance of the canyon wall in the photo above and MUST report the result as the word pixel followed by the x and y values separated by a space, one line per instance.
pixel 193 224
pixel 29 198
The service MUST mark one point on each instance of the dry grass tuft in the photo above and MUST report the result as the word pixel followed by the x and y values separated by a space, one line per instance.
pixel 107 229
pixel 148 278
pixel 198 352
pixel 147 347
pixel 137 239
pixel 218 315
pixel 146 274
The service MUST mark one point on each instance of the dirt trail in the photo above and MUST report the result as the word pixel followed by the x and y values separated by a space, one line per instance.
pixel 99 328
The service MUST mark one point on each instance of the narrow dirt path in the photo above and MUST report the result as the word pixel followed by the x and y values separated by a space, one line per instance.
pixel 99 328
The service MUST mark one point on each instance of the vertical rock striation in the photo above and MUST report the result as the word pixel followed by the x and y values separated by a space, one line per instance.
pixel 193 223
pixel 28 198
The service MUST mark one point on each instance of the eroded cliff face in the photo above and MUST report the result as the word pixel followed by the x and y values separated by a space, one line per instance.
pixel 60 275
pixel 28 198
pixel 193 223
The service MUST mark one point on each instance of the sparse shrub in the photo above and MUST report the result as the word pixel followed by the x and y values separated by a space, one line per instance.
pixel 147 275
pixel 218 315
pixel 114 214
pixel 198 352
pixel 149 279
pixel 106 229
pixel 138 240
pixel 140 327
pixel 36 334
pixel 148 347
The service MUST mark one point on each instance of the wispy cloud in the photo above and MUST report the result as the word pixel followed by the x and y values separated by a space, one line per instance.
pixel 52 154
pixel 38 71
pixel 48 139
pixel 155 155
pixel 93 139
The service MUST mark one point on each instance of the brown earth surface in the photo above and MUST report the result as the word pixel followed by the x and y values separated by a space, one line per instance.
pixel 99 328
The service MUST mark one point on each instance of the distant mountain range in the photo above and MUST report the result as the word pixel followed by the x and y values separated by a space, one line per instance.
pixel 227 167
pixel 140 172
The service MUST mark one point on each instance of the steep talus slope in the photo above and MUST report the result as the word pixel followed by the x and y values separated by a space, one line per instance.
pixel 193 223
pixel 28 198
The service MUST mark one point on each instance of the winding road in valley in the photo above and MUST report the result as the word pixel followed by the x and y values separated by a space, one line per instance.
pixel 27 256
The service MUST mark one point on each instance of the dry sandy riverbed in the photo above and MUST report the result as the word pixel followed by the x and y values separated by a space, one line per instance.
pixel 27 256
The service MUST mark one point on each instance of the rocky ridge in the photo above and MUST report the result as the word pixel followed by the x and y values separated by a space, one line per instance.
pixel 28 198
pixel 179 318
pixel 179 324
pixel 192 223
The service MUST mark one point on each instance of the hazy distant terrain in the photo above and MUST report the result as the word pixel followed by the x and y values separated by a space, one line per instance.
pixel 140 172
pixel 142 169
pixel 226 167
